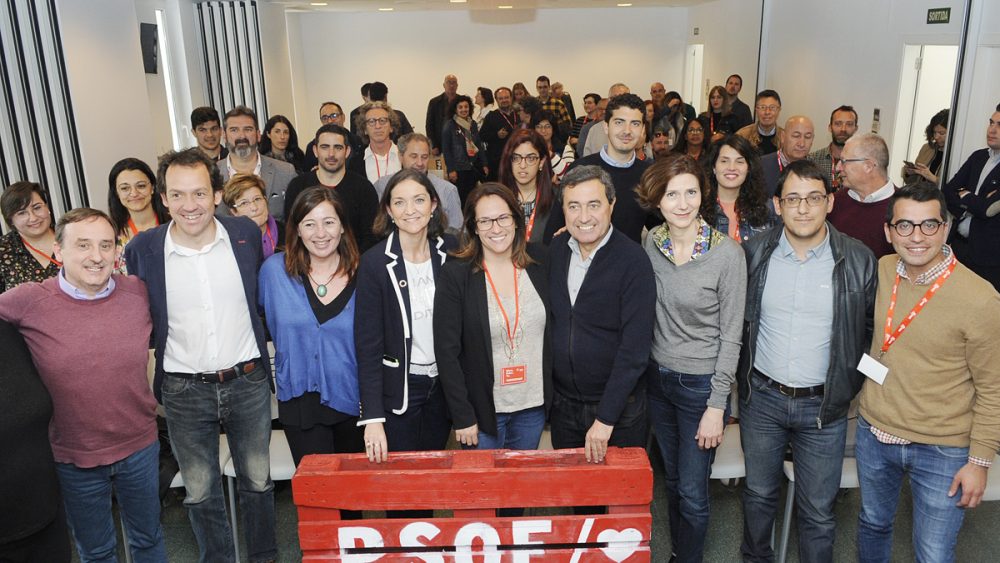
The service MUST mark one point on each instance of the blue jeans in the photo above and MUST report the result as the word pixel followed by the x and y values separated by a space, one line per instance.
pixel 677 402
pixel 936 517
pixel 243 407
pixel 87 496
pixel 519 430
pixel 769 422
pixel 426 423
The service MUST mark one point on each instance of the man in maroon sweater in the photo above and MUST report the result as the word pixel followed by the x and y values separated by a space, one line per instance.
pixel 860 210
pixel 88 332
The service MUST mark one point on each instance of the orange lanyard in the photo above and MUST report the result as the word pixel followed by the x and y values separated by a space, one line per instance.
pixel 134 229
pixel 517 305
pixel 891 336
pixel 378 169
pixel 531 224
pixel 40 253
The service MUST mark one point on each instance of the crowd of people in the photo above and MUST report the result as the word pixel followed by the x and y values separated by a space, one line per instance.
pixel 609 274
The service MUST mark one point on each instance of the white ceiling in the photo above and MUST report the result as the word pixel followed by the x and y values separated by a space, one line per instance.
pixel 430 5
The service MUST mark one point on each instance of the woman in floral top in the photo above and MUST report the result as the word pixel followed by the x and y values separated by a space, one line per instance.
pixel 701 282
pixel 26 251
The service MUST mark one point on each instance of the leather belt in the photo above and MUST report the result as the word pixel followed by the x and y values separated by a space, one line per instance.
pixel 793 392
pixel 221 376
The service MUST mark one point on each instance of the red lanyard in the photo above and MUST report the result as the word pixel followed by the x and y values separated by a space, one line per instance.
pixel 711 122
pixel 780 165
pixel 40 253
pixel 890 335
pixel 517 305
pixel 378 169
pixel 509 122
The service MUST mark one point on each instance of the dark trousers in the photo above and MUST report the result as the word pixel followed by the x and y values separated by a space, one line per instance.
pixel 50 544
pixel 570 420
pixel 345 437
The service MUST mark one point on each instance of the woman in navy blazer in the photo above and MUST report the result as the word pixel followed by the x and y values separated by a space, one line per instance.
pixel 491 334
pixel 402 405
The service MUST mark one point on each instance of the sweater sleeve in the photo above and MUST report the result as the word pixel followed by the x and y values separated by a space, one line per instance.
pixel 637 307
pixel 732 296
pixel 983 357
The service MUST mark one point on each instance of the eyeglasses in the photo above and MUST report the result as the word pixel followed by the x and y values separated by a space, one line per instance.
pixel 693 131
pixel 519 158
pixel 486 224
pixel 243 204
pixel 543 126
pixel 768 108
pixel 138 187
pixel 853 159
pixel 329 116
pixel 373 121
pixel 812 200
pixel 905 228
pixel 37 210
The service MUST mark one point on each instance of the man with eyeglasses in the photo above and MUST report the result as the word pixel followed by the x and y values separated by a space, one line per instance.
pixel 796 142
pixel 332 151
pixel 497 126
pixel 930 407
pixel 330 112
pixel 242 136
pixel 843 125
pixel 207 131
pixel 437 111
pixel 765 135
pixel 554 105
pixel 603 298
pixel 859 211
pixel 376 121
pixel 734 85
pixel 973 196
pixel 810 294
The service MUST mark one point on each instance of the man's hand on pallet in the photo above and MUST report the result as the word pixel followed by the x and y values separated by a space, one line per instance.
pixel 596 445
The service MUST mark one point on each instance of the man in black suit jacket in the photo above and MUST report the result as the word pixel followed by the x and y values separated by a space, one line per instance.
pixel 437 109
pixel 212 365
pixel 973 196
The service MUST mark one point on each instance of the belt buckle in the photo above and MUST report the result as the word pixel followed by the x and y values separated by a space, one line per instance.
pixel 786 390
pixel 221 374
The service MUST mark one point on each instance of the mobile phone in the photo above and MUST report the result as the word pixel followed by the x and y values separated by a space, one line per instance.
pixel 909 164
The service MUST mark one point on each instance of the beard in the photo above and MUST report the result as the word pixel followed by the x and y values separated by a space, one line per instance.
pixel 242 149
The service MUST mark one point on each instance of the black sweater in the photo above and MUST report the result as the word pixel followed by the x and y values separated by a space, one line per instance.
pixel 601 345
pixel 356 193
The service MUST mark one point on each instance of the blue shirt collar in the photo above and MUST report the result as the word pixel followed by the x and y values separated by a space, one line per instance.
pixel 785 248
pixel 612 162
pixel 75 293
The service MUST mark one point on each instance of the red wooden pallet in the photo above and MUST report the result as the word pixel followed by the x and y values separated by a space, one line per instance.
pixel 472 484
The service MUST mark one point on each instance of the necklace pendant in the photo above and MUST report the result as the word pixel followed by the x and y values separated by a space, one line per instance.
pixel 321 290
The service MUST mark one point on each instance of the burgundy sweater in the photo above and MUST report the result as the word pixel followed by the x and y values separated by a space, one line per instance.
pixel 92 356
pixel 863 221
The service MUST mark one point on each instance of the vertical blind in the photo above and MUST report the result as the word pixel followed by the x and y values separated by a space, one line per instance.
pixel 38 138
pixel 231 47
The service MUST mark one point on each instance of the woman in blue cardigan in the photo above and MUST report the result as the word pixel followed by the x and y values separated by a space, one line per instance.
pixel 308 297
pixel 402 405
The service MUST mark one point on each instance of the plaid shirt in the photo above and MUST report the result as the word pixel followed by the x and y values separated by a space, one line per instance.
pixel 558 108
pixel 925 279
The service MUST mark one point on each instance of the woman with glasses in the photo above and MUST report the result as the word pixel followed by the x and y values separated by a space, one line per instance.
pixel 402 402
pixel 490 335
pixel 720 119
pixel 694 140
pixel 524 169
pixel 736 185
pixel 560 154
pixel 132 203
pixel 701 281
pixel 26 250
pixel 463 150
pixel 308 296
pixel 244 194
pixel 281 142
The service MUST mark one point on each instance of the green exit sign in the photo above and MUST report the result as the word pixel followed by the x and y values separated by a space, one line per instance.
pixel 939 15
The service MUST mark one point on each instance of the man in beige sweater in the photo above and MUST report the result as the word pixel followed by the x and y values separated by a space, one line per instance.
pixel 931 405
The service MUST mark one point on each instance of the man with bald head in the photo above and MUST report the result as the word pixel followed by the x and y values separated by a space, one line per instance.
pixel 593 138
pixel 658 93
pixel 796 141
pixel 860 210
pixel 437 110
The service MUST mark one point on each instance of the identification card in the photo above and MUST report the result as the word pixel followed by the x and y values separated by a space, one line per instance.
pixel 512 375
pixel 872 368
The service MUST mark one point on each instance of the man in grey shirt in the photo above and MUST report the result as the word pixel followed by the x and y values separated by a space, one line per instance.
pixel 414 153
pixel 810 296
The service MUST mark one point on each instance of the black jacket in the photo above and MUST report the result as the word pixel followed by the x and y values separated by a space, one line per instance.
pixel 382 333
pixel 855 274
pixel 462 341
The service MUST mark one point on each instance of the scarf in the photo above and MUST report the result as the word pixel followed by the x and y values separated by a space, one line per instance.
pixel 465 128
pixel 269 238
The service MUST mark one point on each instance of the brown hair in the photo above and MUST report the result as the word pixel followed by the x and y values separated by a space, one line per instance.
pixel 240 183
pixel 17 197
pixel 296 255
pixel 653 183
pixel 79 215
pixel 472 247
pixel 384 226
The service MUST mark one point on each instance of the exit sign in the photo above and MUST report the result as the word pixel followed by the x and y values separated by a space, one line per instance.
pixel 939 15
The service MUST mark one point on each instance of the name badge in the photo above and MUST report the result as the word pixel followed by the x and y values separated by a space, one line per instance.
pixel 512 375
pixel 873 369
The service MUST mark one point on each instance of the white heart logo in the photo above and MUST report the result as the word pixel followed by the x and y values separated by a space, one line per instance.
pixel 621 545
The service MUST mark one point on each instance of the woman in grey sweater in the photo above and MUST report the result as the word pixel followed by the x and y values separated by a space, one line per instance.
pixel 701 284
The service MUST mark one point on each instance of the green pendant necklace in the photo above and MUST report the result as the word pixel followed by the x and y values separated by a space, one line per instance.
pixel 321 287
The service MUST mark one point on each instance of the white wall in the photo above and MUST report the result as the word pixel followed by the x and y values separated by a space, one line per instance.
pixel 587 50
pixel 107 85
pixel 819 55
pixel 729 48
pixel 274 43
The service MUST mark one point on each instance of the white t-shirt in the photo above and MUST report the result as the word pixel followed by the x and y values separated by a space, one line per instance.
pixel 420 282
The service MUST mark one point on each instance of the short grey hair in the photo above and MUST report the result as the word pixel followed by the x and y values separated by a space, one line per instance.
pixel 408 138
pixel 873 146
pixel 580 174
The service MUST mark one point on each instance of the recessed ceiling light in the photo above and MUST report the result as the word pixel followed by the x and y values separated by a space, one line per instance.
pixel 625 5
pixel 385 9
pixel 505 7
pixel 458 1
pixel 317 3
